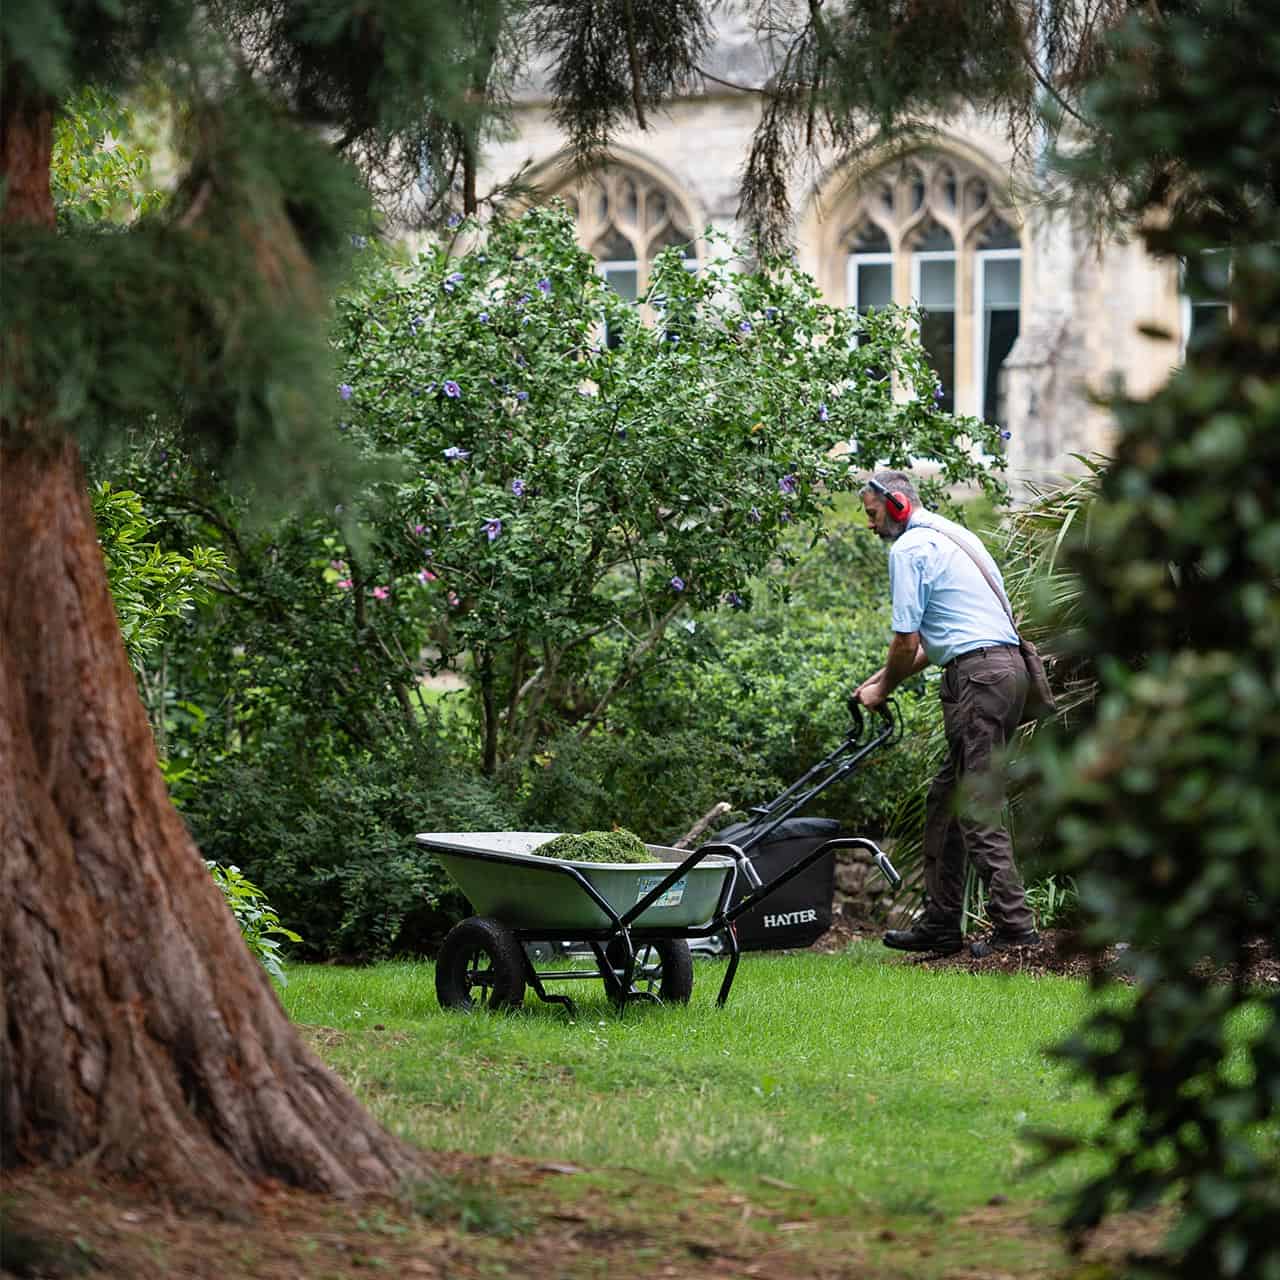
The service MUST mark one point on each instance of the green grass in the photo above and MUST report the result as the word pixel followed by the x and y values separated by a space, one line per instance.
pixel 856 1078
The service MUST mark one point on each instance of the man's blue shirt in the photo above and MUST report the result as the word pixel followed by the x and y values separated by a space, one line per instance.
pixel 939 592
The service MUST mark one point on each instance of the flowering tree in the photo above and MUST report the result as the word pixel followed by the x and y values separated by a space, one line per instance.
pixel 559 486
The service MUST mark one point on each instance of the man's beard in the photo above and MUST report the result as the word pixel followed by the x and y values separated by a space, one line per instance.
pixel 893 530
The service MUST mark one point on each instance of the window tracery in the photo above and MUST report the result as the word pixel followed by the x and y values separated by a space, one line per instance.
pixel 625 219
pixel 928 230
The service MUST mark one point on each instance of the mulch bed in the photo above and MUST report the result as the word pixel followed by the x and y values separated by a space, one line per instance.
pixel 1058 954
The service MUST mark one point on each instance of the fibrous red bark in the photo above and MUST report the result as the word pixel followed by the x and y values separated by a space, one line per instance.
pixel 136 1029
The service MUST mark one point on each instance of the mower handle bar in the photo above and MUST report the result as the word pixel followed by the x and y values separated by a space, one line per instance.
pixel 834 767
pixel 884 711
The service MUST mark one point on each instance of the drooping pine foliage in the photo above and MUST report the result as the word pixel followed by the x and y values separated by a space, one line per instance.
pixel 844 79
pixel 615 61
pixel 292 122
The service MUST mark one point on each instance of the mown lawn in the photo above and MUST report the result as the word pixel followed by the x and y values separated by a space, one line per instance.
pixel 846 1117
pixel 858 1078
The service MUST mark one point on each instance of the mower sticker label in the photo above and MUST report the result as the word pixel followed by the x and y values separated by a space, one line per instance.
pixel 671 896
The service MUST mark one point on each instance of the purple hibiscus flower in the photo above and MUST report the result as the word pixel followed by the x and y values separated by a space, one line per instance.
pixel 544 286
pixel 823 413
pixel 754 515
pixel 344 390
pixel 677 583
pixel 745 327
pixel 787 484
pixel 492 529
pixel 453 452
pixel 517 487
pixel 452 281
pixel 451 389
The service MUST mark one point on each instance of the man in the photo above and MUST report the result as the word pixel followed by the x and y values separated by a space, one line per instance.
pixel 945 612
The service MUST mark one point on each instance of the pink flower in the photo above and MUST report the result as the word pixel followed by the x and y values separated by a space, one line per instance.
pixel 381 593
pixel 453 600
pixel 425 576
pixel 346 584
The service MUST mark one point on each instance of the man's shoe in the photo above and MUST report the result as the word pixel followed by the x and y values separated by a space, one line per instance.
pixel 925 937
pixel 998 941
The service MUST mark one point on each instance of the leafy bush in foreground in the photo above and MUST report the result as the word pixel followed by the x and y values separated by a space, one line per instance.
pixel 1166 807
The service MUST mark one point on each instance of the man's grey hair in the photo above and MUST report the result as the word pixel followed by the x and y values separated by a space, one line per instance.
pixel 895 482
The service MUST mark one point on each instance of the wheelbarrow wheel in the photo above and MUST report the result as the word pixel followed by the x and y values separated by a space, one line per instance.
pixel 480 963
pixel 664 969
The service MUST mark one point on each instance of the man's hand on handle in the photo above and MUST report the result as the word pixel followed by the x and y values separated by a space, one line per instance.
pixel 906 657
pixel 871 693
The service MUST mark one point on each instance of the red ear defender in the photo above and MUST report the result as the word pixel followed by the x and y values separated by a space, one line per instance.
pixel 899 506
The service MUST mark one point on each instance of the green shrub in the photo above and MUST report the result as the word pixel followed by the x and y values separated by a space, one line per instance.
pixel 259 924
pixel 756 697
pixel 334 847
pixel 152 587
pixel 657 785
pixel 554 489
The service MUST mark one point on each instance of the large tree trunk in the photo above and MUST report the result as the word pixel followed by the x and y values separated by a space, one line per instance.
pixel 136 1030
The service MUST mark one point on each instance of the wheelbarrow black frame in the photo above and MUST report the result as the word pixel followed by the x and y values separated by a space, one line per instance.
pixel 629 941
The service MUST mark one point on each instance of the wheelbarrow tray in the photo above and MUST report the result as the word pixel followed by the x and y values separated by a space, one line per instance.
pixel 502 876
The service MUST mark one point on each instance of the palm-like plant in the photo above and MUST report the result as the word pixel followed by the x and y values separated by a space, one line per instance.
pixel 1044 591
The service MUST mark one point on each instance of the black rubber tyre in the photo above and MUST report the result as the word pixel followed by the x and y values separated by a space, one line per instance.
pixel 664 969
pixel 480 963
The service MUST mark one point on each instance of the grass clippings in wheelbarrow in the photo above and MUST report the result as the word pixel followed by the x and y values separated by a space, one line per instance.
pixel 596 846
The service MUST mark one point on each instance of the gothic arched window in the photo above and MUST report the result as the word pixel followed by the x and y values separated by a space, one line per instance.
pixel 929 231
pixel 625 219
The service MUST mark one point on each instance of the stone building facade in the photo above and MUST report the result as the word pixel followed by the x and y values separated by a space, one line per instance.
pixel 1027 318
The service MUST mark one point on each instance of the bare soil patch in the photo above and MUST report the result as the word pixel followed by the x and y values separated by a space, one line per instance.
pixel 1058 954
pixel 545 1221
